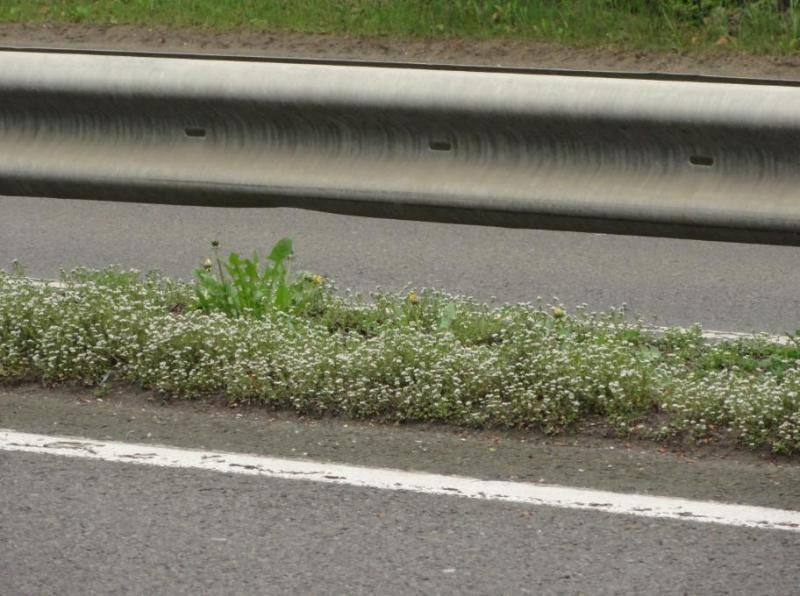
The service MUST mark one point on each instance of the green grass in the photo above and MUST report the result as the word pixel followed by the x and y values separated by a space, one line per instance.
pixel 417 356
pixel 757 26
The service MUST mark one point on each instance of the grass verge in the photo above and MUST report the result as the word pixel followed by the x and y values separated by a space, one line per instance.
pixel 756 26
pixel 421 356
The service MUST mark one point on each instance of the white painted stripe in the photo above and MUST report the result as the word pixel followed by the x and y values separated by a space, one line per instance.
pixel 52 283
pixel 386 479
pixel 719 336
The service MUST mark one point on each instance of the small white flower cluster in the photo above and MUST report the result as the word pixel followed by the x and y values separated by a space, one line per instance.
pixel 431 357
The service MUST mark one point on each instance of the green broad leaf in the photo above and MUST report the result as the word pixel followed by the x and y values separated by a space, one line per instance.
pixel 233 295
pixel 271 274
pixel 281 251
pixel 283 296
pixel 448 316
pixel 251 267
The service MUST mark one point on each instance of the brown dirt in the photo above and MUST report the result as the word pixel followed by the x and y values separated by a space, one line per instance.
pixel 454 51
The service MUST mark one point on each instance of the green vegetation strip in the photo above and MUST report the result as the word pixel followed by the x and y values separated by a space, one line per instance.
pixel 760 26
pixel 254 332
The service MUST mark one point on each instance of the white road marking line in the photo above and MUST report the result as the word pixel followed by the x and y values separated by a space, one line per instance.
pixel 398 480
pixel 719 336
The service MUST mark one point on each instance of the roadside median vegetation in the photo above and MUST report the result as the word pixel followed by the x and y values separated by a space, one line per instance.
pixel 251 331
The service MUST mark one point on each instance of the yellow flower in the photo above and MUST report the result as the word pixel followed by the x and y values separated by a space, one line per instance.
pixel 317 279
pixel 412 297
pixel 558 312
pixel 207 264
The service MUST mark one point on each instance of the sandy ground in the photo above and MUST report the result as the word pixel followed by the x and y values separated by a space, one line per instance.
pixel 454 51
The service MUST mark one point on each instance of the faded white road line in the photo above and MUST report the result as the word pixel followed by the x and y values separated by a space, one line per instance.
pixel 386 479
pixel 720 336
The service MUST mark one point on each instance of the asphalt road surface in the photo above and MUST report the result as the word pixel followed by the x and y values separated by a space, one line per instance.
pixel 74 526
pixel 83 527
pixel 728 287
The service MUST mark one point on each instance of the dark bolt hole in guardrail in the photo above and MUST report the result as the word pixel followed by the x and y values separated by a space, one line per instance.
pixel 701 160
pixel 196 132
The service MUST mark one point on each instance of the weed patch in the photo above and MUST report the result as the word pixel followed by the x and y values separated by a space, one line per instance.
pixel 421 356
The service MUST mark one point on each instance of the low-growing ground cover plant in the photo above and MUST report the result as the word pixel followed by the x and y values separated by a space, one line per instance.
pixel 417 356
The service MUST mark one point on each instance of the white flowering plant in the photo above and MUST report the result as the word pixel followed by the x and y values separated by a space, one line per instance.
pixel 414 356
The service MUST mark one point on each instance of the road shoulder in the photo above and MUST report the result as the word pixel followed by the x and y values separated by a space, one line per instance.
pixel 126 414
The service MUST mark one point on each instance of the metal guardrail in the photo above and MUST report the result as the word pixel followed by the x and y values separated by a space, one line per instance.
pixel 659 156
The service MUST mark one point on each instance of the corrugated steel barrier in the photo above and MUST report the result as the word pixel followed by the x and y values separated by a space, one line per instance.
pixel 660 156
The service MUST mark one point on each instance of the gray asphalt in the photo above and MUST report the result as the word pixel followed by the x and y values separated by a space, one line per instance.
pixel 730 287
pixel 716 473
pixel 78 527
